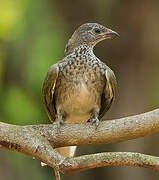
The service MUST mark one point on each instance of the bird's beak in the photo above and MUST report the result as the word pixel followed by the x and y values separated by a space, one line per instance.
pixel 109 34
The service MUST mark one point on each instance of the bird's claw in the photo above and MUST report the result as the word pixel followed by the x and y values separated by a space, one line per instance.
pixel 59 123
pixel 95 121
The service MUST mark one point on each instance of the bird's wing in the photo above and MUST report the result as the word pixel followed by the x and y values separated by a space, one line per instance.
pixel 48 91
pixel 108 95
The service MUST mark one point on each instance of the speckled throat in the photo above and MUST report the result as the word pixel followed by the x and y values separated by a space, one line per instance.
pixel 82 58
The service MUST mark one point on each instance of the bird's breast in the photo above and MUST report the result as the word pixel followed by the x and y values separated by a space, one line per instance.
pixel 79 99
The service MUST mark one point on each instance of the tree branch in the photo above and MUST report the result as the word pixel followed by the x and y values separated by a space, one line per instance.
pixel 111 131
pixel 109 159
pixel 39 140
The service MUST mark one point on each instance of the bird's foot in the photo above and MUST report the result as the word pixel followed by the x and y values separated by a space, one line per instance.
pixel 94 118
pixel 59 123
pixel 94 121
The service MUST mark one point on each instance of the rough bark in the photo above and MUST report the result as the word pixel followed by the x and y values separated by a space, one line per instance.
pixel 39 142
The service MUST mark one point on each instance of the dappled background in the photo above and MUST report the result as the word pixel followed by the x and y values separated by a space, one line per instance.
pixel 33 35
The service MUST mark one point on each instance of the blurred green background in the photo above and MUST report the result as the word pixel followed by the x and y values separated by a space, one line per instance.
pixel 33 34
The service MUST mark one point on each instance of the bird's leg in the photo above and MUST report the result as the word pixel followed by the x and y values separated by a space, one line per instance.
pixel 61 118
pixel 94 118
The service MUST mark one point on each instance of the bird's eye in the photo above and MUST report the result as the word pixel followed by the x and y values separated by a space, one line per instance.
pixel 97 31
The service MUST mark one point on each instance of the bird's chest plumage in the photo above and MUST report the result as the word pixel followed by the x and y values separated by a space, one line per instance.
pixel 79 87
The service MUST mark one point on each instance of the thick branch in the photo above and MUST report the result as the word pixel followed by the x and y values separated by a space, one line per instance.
pixel 27 140
pixel 111 131
pixel 38 140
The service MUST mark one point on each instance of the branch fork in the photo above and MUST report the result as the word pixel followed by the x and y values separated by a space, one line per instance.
pixel 39 141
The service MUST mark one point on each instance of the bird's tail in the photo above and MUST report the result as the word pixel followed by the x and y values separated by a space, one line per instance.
pixel 68 151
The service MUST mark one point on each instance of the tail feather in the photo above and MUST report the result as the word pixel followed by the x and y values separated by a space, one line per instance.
pixel 68 151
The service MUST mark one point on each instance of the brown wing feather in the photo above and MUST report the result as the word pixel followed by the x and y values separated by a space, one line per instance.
pixel 108 95
pixel 48 91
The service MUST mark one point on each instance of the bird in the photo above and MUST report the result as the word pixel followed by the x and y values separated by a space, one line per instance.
pixel 80 88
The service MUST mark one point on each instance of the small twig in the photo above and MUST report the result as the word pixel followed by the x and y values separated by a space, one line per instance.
pixel 57 174
pixel 85 162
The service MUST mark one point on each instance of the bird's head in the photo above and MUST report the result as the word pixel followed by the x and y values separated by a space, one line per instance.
pixel 89 34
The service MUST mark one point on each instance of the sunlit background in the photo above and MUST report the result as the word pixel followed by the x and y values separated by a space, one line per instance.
pixel 33 34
